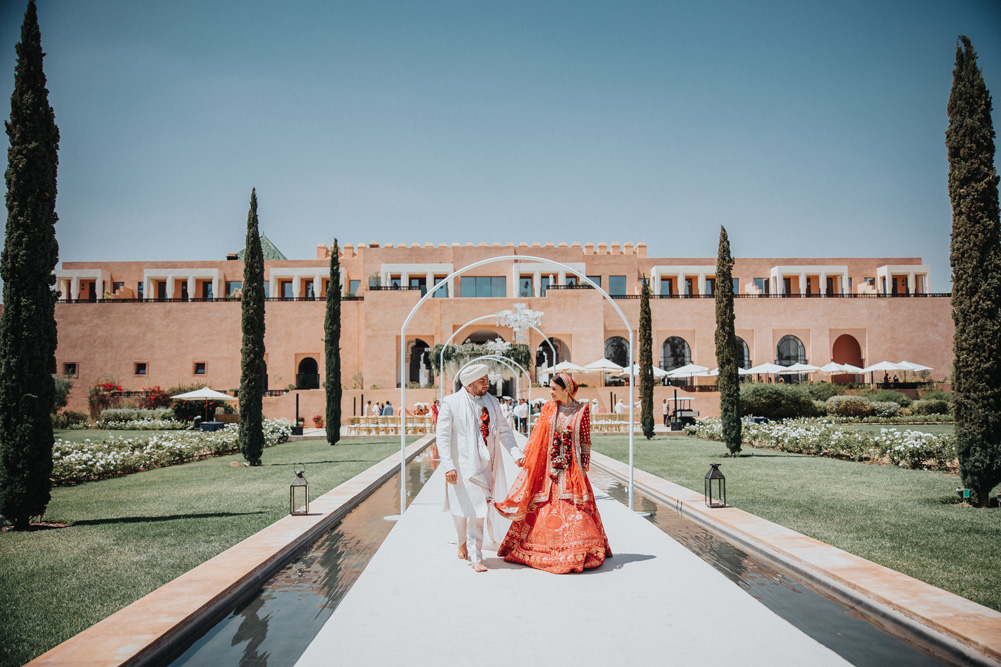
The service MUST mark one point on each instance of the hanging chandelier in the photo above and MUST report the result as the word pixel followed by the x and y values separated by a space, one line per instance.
pixel 520 320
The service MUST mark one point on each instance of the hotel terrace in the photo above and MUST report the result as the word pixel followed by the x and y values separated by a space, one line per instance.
pixel 178 323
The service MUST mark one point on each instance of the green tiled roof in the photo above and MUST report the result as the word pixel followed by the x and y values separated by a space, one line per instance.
pixel 268 248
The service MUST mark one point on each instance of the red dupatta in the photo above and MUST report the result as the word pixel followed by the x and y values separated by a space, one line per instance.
pixel 531 484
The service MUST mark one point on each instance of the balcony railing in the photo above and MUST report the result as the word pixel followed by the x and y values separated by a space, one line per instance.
pixel 359 297
pixel 207 300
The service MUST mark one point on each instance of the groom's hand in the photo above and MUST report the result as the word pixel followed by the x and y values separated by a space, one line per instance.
pixel 520 462
pixel 451 477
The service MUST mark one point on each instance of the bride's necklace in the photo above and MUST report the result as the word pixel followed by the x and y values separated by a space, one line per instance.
pixel 568 408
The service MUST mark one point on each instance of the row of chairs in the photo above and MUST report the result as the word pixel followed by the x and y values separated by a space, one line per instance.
pixel 389 425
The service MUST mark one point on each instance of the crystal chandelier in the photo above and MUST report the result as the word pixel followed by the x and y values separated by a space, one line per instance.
pixel 520 320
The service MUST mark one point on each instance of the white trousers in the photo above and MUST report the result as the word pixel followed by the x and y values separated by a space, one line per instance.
pixel 470 532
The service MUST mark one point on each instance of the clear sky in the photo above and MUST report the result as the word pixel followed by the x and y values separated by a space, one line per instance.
pixel 806 129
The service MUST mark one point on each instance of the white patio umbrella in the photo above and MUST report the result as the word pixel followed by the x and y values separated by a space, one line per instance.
pixel 767 368
pixel 851 369
pixel 740 371
pixel 884 366
pixel 832 368
pixel 568 367
pixel 204 394
pixel 657 372
pixel 799 368
pixel 687 371
pixel 603 366
pixel 916 368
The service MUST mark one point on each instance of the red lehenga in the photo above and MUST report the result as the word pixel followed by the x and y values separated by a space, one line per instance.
pixel 556 526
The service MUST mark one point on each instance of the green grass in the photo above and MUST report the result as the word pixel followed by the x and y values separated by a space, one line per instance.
pixel 907 520
pixel 130 535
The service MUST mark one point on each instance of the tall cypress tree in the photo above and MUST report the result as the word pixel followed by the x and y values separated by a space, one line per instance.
pixel 30 253
pixel 332 348
pixel 976 276
pixel 252 367
pixel 726 347
pixel 646 362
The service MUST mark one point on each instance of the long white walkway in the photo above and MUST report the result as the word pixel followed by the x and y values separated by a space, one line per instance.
pixel 652 603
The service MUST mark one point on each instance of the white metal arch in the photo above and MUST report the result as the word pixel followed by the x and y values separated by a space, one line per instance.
pixel 491 260
pixel 441 356
pixel 510 363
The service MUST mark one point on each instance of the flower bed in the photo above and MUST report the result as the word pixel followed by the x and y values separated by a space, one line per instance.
pixel 822 437
pixel 82 461
pixel 147 424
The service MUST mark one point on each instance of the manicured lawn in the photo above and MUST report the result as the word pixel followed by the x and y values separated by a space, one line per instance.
pixel 130 535
pixel 907 520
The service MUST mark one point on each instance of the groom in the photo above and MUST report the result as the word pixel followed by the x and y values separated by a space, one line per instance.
pixel 470 426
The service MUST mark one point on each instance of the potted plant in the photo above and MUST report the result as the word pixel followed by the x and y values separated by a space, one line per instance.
pixel 318 421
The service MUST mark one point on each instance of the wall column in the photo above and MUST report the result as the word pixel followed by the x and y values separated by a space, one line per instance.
pixel 823 284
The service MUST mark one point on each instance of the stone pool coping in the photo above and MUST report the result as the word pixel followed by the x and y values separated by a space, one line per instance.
pixel 166 618
pixel 946 625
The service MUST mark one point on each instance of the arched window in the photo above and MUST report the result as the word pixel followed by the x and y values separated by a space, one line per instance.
pixel 308 376
pixel 418 363
pixel 790 351
pixel 544 353
pixel 674 353
pixel 743 354
pixel 617 350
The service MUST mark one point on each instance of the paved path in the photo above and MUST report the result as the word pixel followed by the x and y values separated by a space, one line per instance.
pixel 653 603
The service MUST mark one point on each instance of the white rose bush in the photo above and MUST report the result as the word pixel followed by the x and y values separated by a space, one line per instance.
pixel 822 437
pixel 75 462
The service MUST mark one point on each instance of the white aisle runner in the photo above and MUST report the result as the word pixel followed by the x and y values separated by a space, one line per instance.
pixel 653 603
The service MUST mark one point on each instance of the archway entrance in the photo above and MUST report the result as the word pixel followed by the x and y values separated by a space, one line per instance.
pixel 419 363
pixel 308 375
pixel 846 350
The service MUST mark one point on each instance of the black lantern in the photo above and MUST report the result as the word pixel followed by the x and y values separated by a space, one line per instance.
pixel 298 492
pixel 715 487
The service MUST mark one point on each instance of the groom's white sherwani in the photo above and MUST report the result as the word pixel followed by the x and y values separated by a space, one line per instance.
pixel 478 464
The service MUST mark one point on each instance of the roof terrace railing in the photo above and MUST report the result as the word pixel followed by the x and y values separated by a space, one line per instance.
pixel 360 297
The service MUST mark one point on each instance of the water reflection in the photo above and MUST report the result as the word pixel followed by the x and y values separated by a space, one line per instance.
pixel 828 622
pixel 276 624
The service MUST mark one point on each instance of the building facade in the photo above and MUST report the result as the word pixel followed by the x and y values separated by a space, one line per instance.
pixel 178 323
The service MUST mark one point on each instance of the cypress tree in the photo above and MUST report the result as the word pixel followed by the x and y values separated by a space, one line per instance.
pixel 332 348
pixel 252 367
pixel 646 362
pixel 726 347
pixel 30 253
pixel 976 276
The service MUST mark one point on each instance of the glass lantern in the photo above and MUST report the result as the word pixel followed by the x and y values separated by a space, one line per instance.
pixel 298 492
pixel 715 487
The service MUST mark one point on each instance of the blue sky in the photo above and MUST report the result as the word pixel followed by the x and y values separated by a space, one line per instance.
pixel 806 129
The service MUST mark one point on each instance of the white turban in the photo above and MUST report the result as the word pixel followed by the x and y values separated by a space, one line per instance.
pixel 473 373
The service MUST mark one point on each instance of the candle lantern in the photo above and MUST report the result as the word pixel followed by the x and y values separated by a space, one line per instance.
pixel 715 487
pixel 298 492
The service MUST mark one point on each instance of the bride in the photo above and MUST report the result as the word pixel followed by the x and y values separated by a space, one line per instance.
pixel 556 523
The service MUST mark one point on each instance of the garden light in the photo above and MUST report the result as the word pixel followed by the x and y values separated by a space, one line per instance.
pixel 298 492
pixel 715 487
